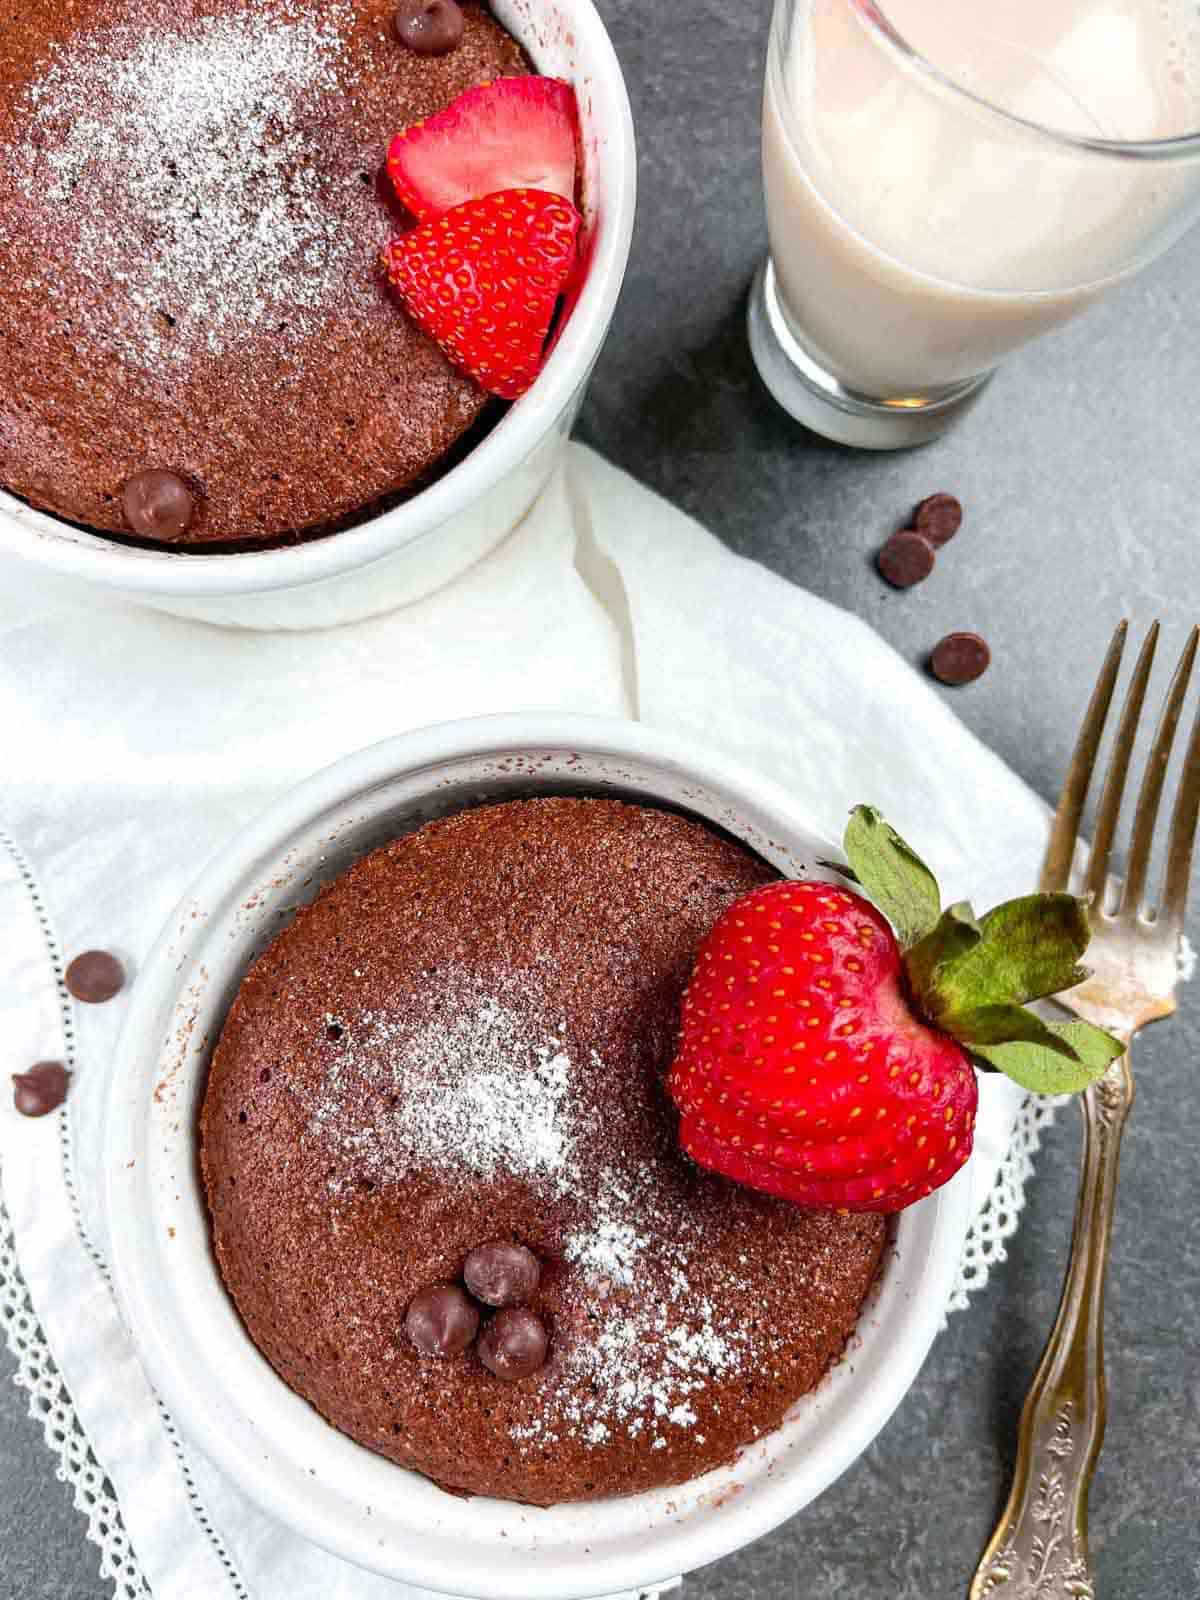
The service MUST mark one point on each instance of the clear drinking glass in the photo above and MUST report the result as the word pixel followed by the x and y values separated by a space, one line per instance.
pixel 950 180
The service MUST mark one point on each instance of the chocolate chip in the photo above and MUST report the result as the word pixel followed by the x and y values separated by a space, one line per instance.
pixel 960 658
pixel 441 1321
pixel 95 977
pixel 157 504
pixel 938 517
pixel 514 1344
pixel 40 1090
pixel 430 27
pixel 906 558
pixel 501 1273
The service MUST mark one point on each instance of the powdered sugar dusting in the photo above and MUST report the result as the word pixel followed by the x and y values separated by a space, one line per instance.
pixel 482 1092
pixel 180 165
pixel 474 1093
pixel 641 1367
pixel 610 1245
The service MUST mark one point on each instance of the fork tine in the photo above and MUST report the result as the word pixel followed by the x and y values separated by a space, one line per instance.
pixel 1183 834
pixel 1150 798
pixel 1060 852
pixel 1113 793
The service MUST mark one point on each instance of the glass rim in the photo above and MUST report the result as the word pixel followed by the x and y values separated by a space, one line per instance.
pixel 1176 147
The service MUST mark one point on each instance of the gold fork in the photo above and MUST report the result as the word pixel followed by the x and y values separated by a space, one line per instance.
pixel 1039 1550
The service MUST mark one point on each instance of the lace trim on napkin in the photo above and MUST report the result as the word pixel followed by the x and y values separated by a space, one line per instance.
pixel 37 1371
pixel 51 1403
pixel 1000 1214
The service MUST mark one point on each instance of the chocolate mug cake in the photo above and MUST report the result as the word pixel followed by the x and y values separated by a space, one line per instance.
pixel 445 1188
pixel 198 347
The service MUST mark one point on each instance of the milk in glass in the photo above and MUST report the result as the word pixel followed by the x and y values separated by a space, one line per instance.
pixel 917 236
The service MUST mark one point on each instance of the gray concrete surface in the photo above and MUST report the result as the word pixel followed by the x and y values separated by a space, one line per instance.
pixel 1081 477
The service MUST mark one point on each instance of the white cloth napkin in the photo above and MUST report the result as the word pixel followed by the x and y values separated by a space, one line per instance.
pixel 134 744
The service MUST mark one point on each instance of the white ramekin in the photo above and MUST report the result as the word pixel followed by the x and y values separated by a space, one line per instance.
pixel 416 547
pixel 224 1394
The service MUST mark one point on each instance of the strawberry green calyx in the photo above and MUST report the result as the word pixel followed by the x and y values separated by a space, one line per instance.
pixel 972 977
pixel 892 875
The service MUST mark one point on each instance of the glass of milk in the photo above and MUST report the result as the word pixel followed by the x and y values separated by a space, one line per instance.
pixel 947 179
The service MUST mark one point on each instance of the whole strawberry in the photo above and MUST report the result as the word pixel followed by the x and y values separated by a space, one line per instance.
pixel 827 1059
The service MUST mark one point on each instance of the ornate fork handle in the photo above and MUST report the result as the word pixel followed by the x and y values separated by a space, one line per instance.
pixel 1039 1550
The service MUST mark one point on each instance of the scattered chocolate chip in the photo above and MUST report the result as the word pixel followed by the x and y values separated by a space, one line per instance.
pixel 502 1273
pixel 906 558
pixel 430 27
pixel 442 1321
pixel 157 504
pixel 939 517
pixel 960 658
pixel 40 1090
pixel 95 977
pixel 514 1343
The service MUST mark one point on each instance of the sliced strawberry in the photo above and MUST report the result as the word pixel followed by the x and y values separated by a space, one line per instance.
pixel 483 281
pixel 575 284
pixel 513 133
pixel 887 1191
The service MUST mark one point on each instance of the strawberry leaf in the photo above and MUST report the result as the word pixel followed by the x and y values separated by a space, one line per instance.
pixel 1094 1047
pixel 1045 1071
pixel 1007 1024
pixel 955 932
pixel 892 874
pixel 1030 949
